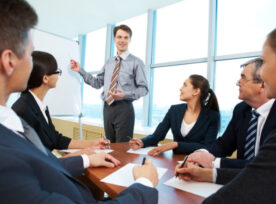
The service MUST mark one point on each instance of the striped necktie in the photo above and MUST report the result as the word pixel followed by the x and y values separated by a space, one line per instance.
pixel 249 149
pixel 109 99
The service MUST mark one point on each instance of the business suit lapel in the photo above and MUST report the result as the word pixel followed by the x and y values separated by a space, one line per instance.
pixel 180 116
pixel 243 130
pixel 269 123
pixel 34 106
pixel 200 120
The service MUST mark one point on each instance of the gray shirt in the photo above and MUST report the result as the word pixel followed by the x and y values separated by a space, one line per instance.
pixel 131 79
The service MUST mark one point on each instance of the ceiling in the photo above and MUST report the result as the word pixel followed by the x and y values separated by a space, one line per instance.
pixel 68 18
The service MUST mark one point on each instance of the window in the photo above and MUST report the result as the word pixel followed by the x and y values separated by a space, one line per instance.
pixel 167 84
pixel 243 25
pixel 94 61
pixel 95 50
pixel 137 47
pixel 182 31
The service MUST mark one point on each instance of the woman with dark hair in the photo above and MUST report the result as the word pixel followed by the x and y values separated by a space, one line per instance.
pixel 193 124
pixel 33 110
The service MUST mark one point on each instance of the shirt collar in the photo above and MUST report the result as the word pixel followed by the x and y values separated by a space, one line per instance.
pixel 264 109
pixel 124 55
pixel 10 120
pixel 40 103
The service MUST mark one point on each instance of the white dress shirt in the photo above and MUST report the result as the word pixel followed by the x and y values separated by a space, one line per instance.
pixel 10 120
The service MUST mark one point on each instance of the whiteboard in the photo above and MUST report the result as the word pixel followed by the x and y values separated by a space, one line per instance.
pixel 65 99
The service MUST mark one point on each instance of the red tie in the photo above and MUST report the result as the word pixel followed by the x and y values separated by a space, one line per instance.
pixel 114 80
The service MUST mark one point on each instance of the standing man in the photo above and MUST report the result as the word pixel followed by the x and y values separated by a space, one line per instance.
pixel 124 80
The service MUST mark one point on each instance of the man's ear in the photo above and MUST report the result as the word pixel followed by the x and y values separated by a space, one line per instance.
pixel 8 61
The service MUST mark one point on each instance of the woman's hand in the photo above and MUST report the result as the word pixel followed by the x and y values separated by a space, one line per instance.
pixel 163 148
pixel 135 143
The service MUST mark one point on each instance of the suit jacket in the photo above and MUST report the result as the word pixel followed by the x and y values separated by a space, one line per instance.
pixel 29 176
pixel 204 131
pixel 27 108
pixel 234 136
pixel 255 183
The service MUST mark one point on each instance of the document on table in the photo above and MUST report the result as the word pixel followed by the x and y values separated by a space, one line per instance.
pixel 124 177
pixel 141 150
pixel 95 150
pixel 199 188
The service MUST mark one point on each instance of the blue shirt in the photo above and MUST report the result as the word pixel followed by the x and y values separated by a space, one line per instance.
pixel 131 79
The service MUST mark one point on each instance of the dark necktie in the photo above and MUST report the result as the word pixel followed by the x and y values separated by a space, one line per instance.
pixel 109 99
pixel 48 115
pixel 249 149
pixel 32 136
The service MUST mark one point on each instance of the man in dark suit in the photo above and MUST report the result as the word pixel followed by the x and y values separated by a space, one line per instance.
pixel 254 183
pixel 252 92
pixel 29 172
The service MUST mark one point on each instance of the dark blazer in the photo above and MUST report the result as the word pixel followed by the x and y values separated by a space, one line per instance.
pixel 29 176
pixel 255 183
pixel 234 136
pixel 27 108
pixel 204 131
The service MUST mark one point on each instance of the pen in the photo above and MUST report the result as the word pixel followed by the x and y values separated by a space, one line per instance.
pixel 143 162
pixel 182 165
pixel 106 140
pixel 137 143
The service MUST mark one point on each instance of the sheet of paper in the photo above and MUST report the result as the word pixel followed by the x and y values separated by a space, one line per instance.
pixel 124 177
pixel 199 188
pixel 95 150
pixel 141 150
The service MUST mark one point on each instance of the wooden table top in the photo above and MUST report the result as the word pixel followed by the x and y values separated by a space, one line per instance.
pixel 166 160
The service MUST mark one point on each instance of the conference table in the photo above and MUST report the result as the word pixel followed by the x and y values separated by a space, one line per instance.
pixel 166 160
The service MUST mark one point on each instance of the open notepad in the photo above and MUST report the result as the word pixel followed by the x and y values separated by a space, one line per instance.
pixel 199 188
pixel 124 176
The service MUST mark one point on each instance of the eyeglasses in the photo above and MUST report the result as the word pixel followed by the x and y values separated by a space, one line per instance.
pixel 244 81
pixel 59 72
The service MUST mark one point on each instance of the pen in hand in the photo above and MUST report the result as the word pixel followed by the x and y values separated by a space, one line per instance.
pixel 182 165
pixel 137 143
pixel 144 160
pixel 106 141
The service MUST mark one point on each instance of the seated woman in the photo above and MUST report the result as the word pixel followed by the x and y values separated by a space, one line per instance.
pixel 193 124
pixel 33 110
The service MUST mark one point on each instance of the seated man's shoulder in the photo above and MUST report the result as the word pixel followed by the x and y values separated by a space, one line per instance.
pixel 241 107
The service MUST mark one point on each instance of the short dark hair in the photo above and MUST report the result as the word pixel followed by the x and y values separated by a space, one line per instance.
pixel 122 27
pixel 43 64
pixel 271 39
pixel 258 63
pixel 17 18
